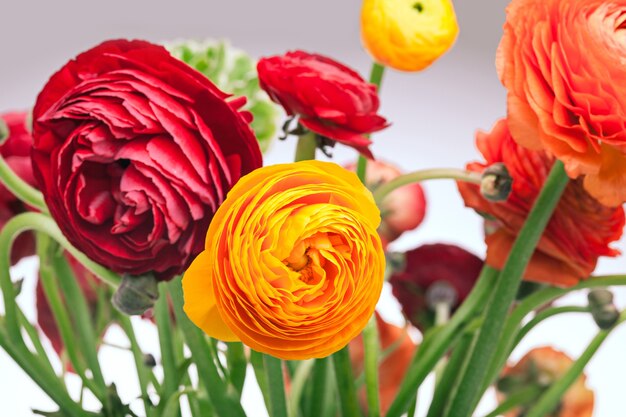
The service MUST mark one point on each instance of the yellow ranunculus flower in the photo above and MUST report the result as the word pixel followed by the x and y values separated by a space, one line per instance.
pixel 408 35
pixel 293 265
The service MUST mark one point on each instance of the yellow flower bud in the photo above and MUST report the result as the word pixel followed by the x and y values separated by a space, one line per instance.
pixel 408 35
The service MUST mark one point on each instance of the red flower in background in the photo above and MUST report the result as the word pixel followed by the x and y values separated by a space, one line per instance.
pixel 134 151
pixel 390 371
pixel 90 286
pixel 403 209
pixel 16 152
pixel 331 99
pixel 544 366
pixel 562 62
pixel 426 266
pixel 579 232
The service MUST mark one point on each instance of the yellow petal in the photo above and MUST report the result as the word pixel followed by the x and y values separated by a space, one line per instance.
pixel 200 305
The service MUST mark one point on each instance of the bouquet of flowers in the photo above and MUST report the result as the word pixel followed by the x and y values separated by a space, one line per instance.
pixel 137 179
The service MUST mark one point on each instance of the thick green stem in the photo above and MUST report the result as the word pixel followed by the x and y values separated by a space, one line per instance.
pixel 298 384
pixel 345 383
pixel 438 341
pixel 427 174
pixel 20 188
pixel 505 290
pixel 321 392
pixel 371 348
pixel 550 398
pixel 305 149
pixel 166 340
pixel 274 372
pixel 237 365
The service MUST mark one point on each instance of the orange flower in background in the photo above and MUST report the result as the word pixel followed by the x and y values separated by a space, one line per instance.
pixel 408 35
pixel 579 232
pixel 543 366
pixel 293 266
pixel 403 209
pixel 391 370
pixel 562 63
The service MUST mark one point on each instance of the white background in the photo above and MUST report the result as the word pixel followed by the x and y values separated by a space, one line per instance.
pixel 434 114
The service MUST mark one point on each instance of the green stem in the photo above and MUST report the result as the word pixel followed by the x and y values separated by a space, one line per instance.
pixel 426 174
pixel 142 372
pixel 376 74
pixel 305 149
pixel 522 397
pixel 169 386
pixel 298 384
pixel 550 398
pixel 437 342
pixel 345 383
pixel 20 188
pixel 224 404
pixel 545 314
pixel 505 290
pixel 321 392
pixel 371 348
pixel 274 372
pixel 361 168
pixel 237 364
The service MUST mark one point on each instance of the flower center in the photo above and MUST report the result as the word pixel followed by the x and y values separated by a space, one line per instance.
pixel 309 256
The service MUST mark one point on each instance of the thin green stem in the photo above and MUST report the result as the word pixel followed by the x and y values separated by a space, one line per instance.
pixel 549 400
pixel 142 371
pixel 276 387
pixel 522 397
pixel 305 149
pixel 371 348
pixel 545 314
pixel 298 383
pixel 505 290
pixel 20 188
pixel 422 175
pixel 164 326
pixel 439 340
pixel 345 383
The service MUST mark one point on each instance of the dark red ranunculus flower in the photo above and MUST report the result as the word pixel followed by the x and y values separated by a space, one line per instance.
pixel 331 99
pixel 579 232
pixel 134 151
pixel 90 286
pixel 426 266
pixel 16 152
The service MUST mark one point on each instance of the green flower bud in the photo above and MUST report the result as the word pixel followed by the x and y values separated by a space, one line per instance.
pixel 496 182
pixel 136 294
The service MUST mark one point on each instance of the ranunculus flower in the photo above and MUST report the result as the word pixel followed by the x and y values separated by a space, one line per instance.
pixel 579 231
pixel 408 35
pixel 91 286
pixel 403 209
pixel 16 152
pixel 563 65
pixel 391 370
pixel 426 266
pixel 330 99
pixel 543 366
pixel 293 266
pixel 134 151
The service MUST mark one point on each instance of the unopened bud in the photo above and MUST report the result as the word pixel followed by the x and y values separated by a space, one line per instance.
pixel 149 360
pixel 4 131
pixel 603 311
pixel 496 182
pixel 441 293
pixel 600 297
pixel 136 294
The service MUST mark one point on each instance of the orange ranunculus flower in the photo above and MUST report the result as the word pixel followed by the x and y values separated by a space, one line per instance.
pixel 543 366
pixel 579 232
pixel 408 35
pixel 390 371
pixel 563 65
pixel 293 265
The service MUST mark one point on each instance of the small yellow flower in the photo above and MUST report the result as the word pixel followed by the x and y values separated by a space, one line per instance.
pixel 408 35
pixel 293 265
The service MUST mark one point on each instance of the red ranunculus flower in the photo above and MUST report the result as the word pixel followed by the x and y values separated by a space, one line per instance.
pixel 331 99
pixel 428 265
pixel 579 232
pixel 90 286
pixel 134 151
pixel 16 152
pixel 403 209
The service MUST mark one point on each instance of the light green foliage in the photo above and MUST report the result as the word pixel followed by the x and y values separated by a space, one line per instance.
pixel 234 72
